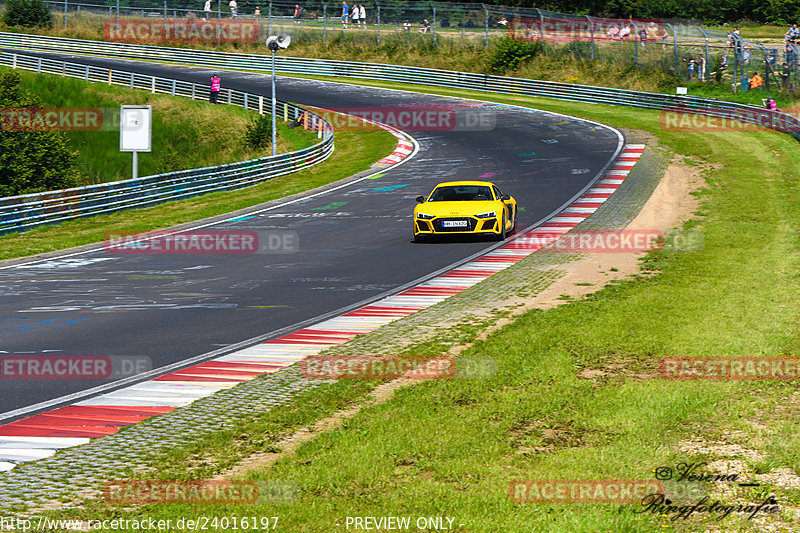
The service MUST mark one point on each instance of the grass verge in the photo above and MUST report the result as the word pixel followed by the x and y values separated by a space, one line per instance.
pixel 450 448
pixel 186 133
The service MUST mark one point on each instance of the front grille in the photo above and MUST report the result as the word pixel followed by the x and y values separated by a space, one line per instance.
pixel 437 224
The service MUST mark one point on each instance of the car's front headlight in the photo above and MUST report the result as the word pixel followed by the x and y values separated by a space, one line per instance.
pixel 488 214
pixel 425 216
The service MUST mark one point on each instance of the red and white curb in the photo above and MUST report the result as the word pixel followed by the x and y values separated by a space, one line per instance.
pixel 41 435
pixel 404 149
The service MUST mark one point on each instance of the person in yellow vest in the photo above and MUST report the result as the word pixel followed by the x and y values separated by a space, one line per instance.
pixel 756 81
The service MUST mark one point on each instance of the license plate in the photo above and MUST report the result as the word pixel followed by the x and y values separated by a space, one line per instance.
pixel 454 224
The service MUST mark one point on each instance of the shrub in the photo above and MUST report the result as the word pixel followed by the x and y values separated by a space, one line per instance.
pixel 509 54
pixel 31 161
pixel 28 13
pixel 259 133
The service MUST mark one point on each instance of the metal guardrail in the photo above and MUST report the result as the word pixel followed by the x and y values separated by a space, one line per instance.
pixel 20 213
pixel 416 75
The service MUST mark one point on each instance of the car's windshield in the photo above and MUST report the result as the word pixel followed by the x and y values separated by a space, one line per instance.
pixel 455 193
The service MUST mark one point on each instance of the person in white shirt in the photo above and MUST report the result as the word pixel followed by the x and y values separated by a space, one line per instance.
pixel 207 10
pixel 362 13
pixel 234 8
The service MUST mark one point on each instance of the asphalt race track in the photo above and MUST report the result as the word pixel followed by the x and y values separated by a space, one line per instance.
pixel 342 247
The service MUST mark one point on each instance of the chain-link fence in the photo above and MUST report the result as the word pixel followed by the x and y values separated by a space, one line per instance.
pixel 685 49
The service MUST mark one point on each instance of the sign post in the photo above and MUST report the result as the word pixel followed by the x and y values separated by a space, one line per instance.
pixel 135 131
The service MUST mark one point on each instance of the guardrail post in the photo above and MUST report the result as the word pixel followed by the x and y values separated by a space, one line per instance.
pixel 325 21
pixel 86 73
pixel 286 112
pixel 378 9
pixel 675 47
pixel 193 91
pixel 153 85
pixel 132 80
pixel 13 61
pixel 39 64
pixel 433 7
pixel 174 86
pixel 230 94
pixel 109 74
pixel 486 26
pixel 707 69
pixel 319 129
pixel 245 101
pixel 63 69
pixel 260 105
pixel 541 26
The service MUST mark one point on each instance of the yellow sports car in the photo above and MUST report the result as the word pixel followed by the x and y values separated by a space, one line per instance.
pixel 465 207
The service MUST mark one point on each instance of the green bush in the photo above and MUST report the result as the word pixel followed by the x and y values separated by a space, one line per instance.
pixel 509 54
pixel 28 13
pixel 259 133
pixel 31 161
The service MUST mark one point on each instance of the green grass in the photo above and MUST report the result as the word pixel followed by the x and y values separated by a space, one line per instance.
pixel 186 133
pixel 451 447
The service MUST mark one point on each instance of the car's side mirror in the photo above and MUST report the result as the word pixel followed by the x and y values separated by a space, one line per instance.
pixel 505 197
pixel 420 199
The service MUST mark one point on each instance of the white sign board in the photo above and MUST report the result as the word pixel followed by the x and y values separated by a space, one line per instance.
pixel 135 128
pixel 680 90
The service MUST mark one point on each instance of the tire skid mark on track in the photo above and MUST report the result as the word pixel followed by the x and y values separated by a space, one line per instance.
pixel 40 435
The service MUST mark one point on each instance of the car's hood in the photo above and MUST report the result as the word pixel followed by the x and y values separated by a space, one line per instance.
pixel 463 208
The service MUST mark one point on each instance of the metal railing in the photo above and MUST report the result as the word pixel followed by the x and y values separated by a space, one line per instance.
pixel 20 213
pixel 416 75
pixel 677 46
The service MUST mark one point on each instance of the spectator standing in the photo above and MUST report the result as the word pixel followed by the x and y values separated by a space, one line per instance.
pixel 234 8
pixel 216 85
pixel 356 16
pixel 297 13
pixel 257 12
pixel 345 15
pixel 362 14
pixel 643 36
pixel 207 10
pixel 691 64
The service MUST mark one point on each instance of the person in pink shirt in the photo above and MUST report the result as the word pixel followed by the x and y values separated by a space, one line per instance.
pixel 216 84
